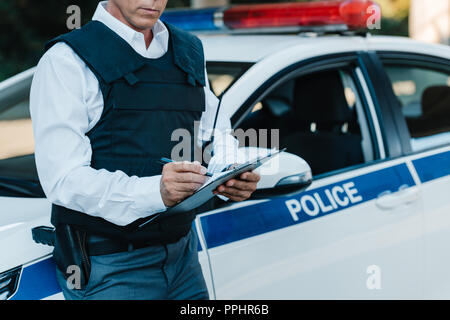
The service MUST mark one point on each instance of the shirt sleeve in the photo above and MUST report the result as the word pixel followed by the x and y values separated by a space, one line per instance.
pixel 63 93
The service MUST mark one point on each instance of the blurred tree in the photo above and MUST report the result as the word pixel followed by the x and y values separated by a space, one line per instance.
pixel 27 24
pixel 394 9
pixel 395 15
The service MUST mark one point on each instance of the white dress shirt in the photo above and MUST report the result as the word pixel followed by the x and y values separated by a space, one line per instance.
pixel 66 102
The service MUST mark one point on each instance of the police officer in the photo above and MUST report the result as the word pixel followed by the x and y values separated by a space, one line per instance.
pixel 105 100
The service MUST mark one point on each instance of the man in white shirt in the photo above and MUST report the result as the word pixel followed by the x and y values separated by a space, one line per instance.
pixel 104 102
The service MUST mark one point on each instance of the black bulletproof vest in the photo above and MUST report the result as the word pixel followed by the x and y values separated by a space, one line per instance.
pixel 146 101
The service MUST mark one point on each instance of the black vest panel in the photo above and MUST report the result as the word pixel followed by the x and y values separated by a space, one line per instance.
pixel 151 107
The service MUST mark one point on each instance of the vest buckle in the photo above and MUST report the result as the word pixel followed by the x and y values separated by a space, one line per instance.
pixel 191 79
pixel 131 78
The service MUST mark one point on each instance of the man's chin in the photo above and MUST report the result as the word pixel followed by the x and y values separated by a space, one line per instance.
pixel 144 24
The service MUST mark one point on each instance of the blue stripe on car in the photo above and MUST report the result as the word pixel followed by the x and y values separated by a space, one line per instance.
pixel 433 167
pixel 241 223
pixel 37 281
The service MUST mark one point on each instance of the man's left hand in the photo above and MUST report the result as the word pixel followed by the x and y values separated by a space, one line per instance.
pixel 241 188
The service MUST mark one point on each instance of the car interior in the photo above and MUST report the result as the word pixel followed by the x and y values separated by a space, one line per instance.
pixel 423 92
pixel 435 113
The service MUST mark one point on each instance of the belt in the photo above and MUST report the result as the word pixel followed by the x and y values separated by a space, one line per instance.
pixel 97 246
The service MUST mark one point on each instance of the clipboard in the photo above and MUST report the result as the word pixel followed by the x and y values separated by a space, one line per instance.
pixel 205 192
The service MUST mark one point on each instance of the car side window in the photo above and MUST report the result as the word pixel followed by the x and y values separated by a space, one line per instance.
pixel 16 133
pixel 320 118
pixel 424 95
pixel 221 75
pixel 18 174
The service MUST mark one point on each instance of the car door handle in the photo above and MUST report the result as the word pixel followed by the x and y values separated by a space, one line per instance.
pixel 406 195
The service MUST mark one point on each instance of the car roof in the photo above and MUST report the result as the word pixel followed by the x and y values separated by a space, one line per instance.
pixel 252 48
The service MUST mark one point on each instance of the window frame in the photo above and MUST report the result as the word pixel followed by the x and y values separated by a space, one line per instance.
pixel 423 61
pixel 321 63
pixel 244 66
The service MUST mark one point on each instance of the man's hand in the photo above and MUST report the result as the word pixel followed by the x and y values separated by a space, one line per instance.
pixel 180 180
pixel 239 189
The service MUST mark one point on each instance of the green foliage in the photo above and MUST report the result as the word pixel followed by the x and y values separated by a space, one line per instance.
pixel 27 24
pixel 394 9
pixel 393 27
pixel 395 17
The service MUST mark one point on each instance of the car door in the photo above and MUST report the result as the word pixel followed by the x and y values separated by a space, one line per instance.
pixel 422 87
pixel 354 233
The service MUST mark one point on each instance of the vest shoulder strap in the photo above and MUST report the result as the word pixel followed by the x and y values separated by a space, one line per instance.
pixel 98 47
pixel 111 58
pixel 192 59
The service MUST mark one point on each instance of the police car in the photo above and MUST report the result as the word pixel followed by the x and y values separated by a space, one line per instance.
pixel 367 118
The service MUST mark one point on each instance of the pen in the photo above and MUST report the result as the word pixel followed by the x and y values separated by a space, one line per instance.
pixel 167 160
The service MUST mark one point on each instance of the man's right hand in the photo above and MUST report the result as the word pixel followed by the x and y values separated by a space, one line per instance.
pixel 180 180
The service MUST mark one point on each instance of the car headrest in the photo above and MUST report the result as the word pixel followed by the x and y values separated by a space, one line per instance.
pixel 320 98
pixel 436 102
pixel 279 101
pixel 435 116
pixel 284 91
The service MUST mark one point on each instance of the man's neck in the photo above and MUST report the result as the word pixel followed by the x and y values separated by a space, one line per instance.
pixel 116 13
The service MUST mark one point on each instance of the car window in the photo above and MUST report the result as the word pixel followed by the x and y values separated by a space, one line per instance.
pixel 18 174
pixel 221 75
pixel 319 117
pixel 16 133
pixel 424 95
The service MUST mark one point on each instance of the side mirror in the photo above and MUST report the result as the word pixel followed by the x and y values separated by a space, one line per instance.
pixel 285 173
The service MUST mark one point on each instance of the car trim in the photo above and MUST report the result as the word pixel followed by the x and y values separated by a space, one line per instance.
pixel 383 98
pixel 255 219
pixel 433 166
pixel 37 280
pixel 411 58
pixel 241 223
pixel 373 114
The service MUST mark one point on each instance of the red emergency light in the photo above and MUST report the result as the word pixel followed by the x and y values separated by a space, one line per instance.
pixel 350 14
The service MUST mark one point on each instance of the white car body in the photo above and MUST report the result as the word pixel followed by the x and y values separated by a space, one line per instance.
pixel 386 236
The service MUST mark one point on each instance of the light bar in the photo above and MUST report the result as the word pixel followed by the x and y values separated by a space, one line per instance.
pixel 191 19
pixel 353 14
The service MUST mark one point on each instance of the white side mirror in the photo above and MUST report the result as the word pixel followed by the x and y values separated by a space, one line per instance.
pixel 285 172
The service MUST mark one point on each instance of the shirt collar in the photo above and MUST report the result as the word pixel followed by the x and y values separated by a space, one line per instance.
pixel 160 32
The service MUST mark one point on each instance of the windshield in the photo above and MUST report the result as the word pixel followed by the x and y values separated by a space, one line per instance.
pixel 222 75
